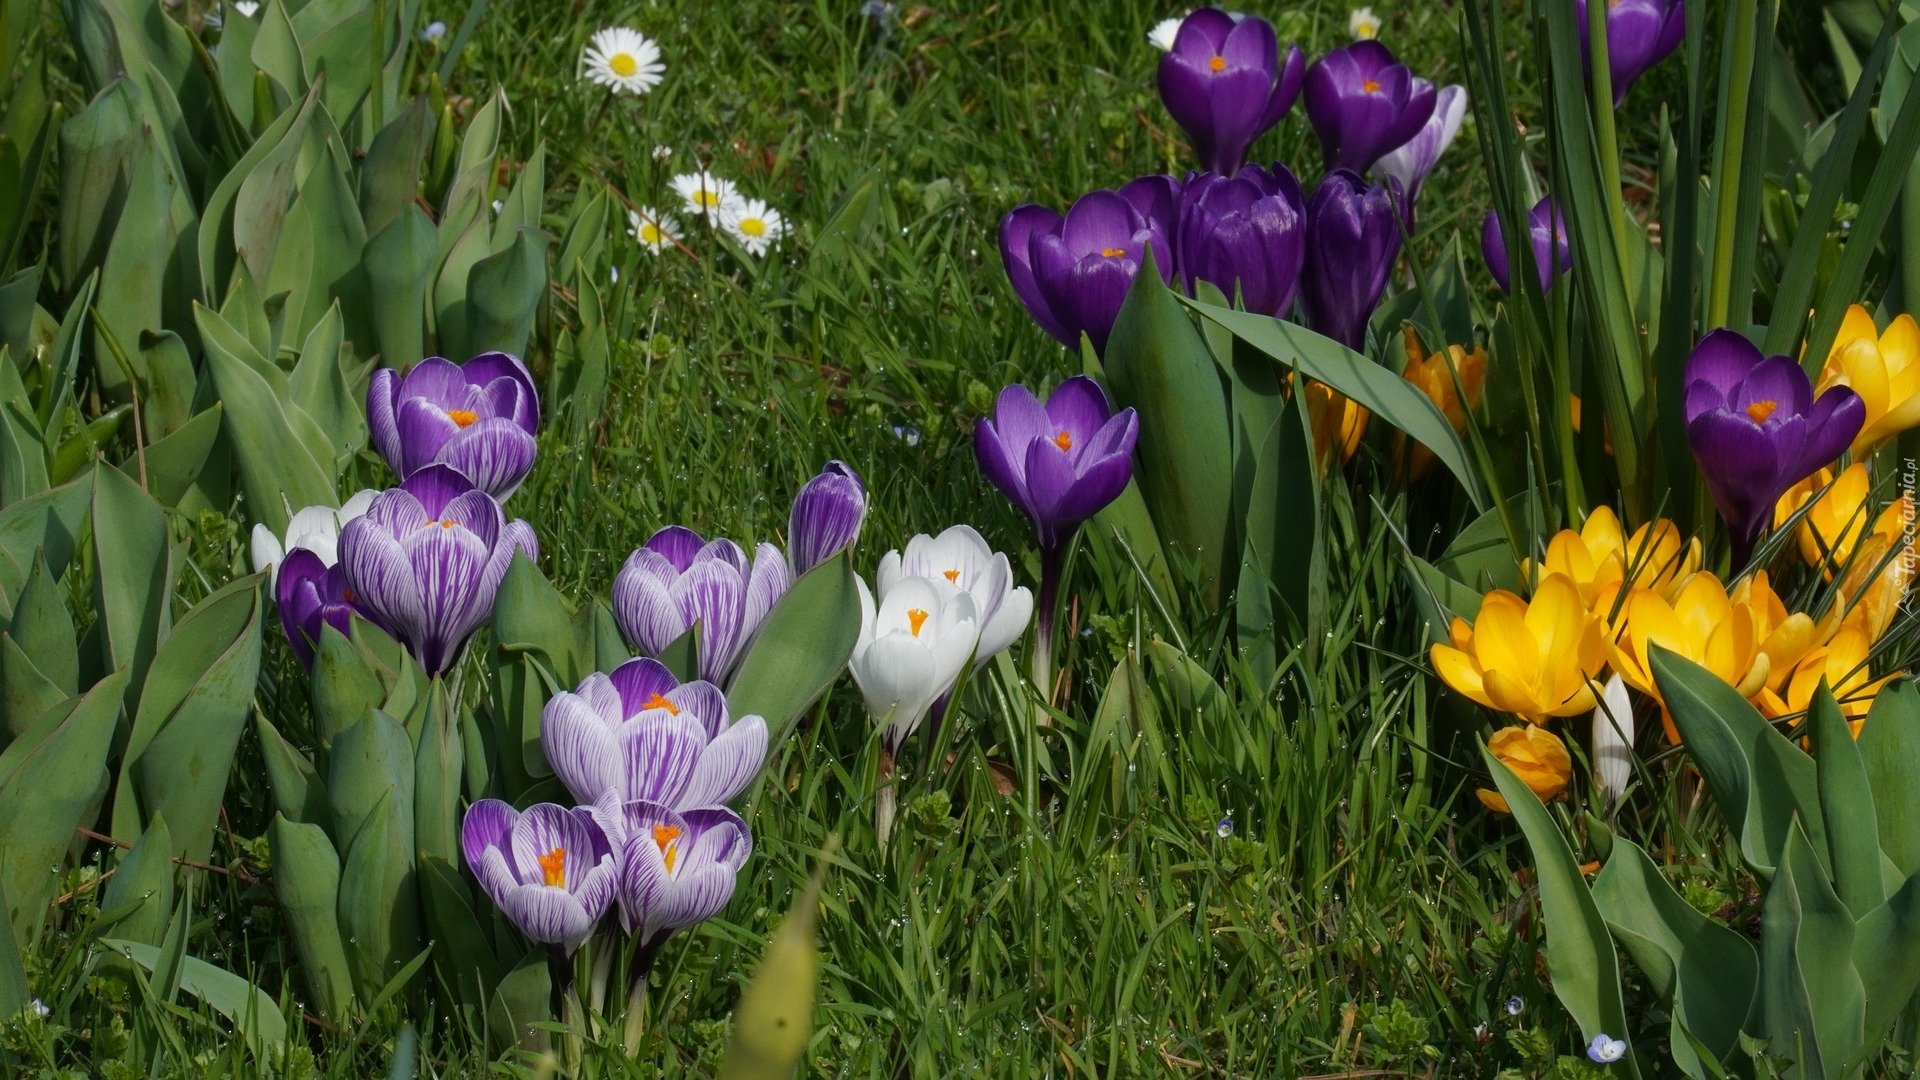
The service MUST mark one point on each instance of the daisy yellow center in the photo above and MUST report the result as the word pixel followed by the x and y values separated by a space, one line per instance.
pixel 462 417
pixel 1369 30
pixel 651 233
pixel 667 839
pixel 1370 86
pixel 623 65
pixel 1760 410
pixel 707 198
pixel 1064 440
pixel 659 702
pixel 951 575
pixel 753 226
pixel 553 868
pixel 916 618
pixel 1112 252
pixel 1218 63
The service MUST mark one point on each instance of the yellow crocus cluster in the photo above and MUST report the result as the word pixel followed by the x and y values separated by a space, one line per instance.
pixel 1601 559
pixel 1435 376
pixel 1533 658
pixel 1883 368
pixel 1836 515
pixel 1699 622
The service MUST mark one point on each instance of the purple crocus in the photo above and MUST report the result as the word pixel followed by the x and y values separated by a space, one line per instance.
pixel 1547 230
pixel 1073 272
pixel 639 733
pixel 676 581
pixel 426 560
pixel 1756 429
pixel 678 868
pixel 1225 84
pixel 826 517
pixel 553 870
pixel 1413 161
pixel 1247 231
pixel 479 417
pixel 1060 462
pixel 1363 103
pixel 311 595
pixel 1640 34
pixel 1353 237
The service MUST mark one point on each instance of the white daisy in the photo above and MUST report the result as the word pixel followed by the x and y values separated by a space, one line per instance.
pixel 755 224
pixel 246 8
pixel 623 59
pixel 1363 24
pixel 654 230
pixel 1164 32
pixel 706 194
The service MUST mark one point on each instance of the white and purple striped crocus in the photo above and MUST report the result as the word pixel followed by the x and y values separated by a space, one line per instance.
pixel 678 867
pixel 426 560
pixel 826 517
pixel 311 594
pixel 641 734
pixel 676 581
pixel 553 870
pixel 479 417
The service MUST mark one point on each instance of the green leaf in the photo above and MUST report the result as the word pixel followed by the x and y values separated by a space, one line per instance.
pixel 298 792
pixel 1813 997
pixel 371 764
pixel 174 463
pixel 1158 364
pixel 139 897
pixel 390 173
pixel 1890 752
pixel 49 522
pixel 94 146
pixel 1846 802
pixel 48 779
pixel 800 650
pixel 1127 723
pixel 26 693
pixel 682 655
pixel 318 386
pixel 1702 970
pixel 530 616
pixel 284 458
pixel 141 286
pixel 439 763
pixel 521 1001
pixel 249 1008
pixel 306 882
pixel 400 261
pixel 504 291
pixel 379 898
pixel 1580 956
pixel 43 627
pixel 1886 953
pixel 465 960
pixel 774 1020
pixel 13 973
pixel 1385 394
pixel 1759 780
pixel 346 684
pixel 266 170
pixel 132 578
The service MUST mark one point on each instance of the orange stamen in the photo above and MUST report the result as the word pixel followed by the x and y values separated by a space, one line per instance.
pixel 665 837
pixel 1370 86
pixel 446 523
pixel 1064 440
pixel 1112 252
pixel 1218 63
pixel 553 867
pixel 658 702
pixel 1760 410
pixel 916 618
pixel 462 417
pixel 951 575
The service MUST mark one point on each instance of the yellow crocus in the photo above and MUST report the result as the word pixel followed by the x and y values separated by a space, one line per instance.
pixel 1601 557
pixel 1536 756
pixel 1338 421
pixel 1872 590
pixel 1434 375
pixel 1837 513
pixel 1883 368
pixel 1785 636
pixel 1534 659
pixel 1842 662
pixel 1701 623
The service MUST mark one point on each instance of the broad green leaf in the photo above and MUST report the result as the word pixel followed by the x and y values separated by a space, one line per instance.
pixel 390 173
pixel 13 973
pixel 521 1001
pixel 530 615
pixel 1886 953
pixel 1813 997
pixel 26 693
pixel 283 456
pixel 1440 598
pixel 94 145
pixel 318 385
pixel 139 898
pixel 265 169
pixel 43 627
pixel 439 763
pixel 379 898
pixel 774 1020
pixel 465 959
pixel 682 655
pixel 1890 752
pixel 49 522
pixel 131 581
pixel 322 222
pixel 250 1009
pixel 1127 723
pixel 298 792
pixel 306 882
pixel 1385 394
pixel 141 290
pixel 175 463
pixel 400 264
pixel 1846 804
pixel 346 684
pixel 1580 956
pixel 504 291
pixel 371 764
pixel 801 649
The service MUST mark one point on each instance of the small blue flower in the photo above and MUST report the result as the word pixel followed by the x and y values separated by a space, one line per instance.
pixel 1516 1005
pixel 1225 828
pixel 1606 1049
pixel 434 31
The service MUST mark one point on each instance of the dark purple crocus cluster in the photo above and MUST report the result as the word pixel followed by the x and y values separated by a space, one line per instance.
pixel 425 562
pixel 1248 230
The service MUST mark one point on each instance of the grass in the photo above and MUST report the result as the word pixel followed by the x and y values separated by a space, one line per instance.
pixel 1250 881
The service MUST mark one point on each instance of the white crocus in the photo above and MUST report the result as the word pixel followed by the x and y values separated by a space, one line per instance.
pixel 961 556
pixel 1613 738
pixel 912 648
pixel 247 8
pixel 316 528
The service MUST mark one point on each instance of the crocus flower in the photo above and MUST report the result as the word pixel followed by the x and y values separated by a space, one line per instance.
pixel 1536 756
pixel 1700 623
pixel 1413 161
pixel 1605 1048
pixel 1225 83
pixel 311 594
pixel 1061 462
pixel 961 556
pixel 1363 103
pixel 676 581
pixel 479 417
pixel 1442 377
pixel 1756 429
pixel 552 870
pixel 1613 738
pixel 1546 229
pixel 1244 233
pixel 912 648
pixel 1601 559
pixel 316 528
pixel 1532 658
pixel 639 733
pixel 1883 368
pixel 1842 663
pixel 679 867
pixel 1640 34
pixel 426 560
pixel 1785 636
pixel 1337 421
pixel 1353 237
pixel 826 517
pixel 1363 24
pixel 1838 513
pixel 1073 272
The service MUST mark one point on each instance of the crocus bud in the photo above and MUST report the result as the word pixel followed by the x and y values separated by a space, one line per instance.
pixel 311 595
pixel 1546 231
pixel 1072 272
pixel 1363 103
pixel 1245 233
pixel 677 580
pixel 1225 83
pixel 826 517
pixel 1353 238
pixel 1640 34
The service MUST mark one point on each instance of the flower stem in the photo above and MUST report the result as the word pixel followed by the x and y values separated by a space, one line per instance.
pixel 885 800
pixel 635 1028
pixel 1052 561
